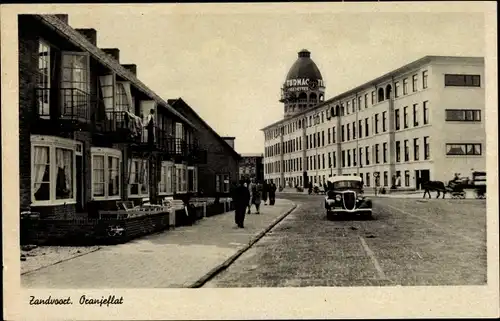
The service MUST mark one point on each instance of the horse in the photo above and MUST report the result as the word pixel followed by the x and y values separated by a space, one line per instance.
pixel 437 186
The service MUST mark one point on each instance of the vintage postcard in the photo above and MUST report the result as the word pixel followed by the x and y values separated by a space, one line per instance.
pixel 250 160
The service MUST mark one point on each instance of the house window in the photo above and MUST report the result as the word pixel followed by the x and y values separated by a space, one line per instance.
pixel 334 135
pixel 386 179
pixel 416 149
pixel 323 160
pixel 377 160
pixel 138 178
pixel 463 115
pixel 427 154
pixel 367 155
pixel 53 172
pixel 222 183
pixel 165 186
pixel 122 96
pixel 376 123
pixel 384 121
pixel 462 80
pixel 397 120
pixel 424 79
pixel 385 152
pixel 329 136
pixel 396 89
pixel 407 151
pixel 360 156
pixel 334 158
pixel 415 115
pixel 348 133
pixel 405 117
pixel 106 173
pixel 360 128
pixel 426 112
pixel 75 84
pixel 366 127
pixel 373 97
pixel 322 138
pixel 414 84
pixel 398 151
pixel 343 133
pixel 405 86
pixel 349 158
pixel 359 103
pixel 343 158
pixel 192 179
pixel 354 159
pixel 366 101
pixel 44 79
pixel 407 178
pixel 463 149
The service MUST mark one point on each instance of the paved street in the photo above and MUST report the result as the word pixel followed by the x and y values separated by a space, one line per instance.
pixel 409 242
pixel 172 259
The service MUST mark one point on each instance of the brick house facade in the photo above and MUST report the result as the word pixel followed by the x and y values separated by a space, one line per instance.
pixel 219 171
pixel 86 139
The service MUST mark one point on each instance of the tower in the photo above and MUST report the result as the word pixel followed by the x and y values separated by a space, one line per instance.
pixel 303 87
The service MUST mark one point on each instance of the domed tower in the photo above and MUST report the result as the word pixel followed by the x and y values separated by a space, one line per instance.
pixel 303 87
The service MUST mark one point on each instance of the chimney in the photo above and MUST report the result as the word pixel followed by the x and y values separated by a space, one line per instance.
pixel 90 34
pixel 113 52
pixel 230 141
pixel 131 67
pixel 62 17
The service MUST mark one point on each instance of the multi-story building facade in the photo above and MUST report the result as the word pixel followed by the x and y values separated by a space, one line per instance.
pixel 423 121
pixel 251 167
pixel 90 132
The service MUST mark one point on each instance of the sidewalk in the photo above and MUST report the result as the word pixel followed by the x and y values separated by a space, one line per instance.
pixel 175 258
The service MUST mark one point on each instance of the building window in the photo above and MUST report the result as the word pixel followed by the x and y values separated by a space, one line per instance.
pixel 427 153
pixel 368 179
pixel 53 171
pixel 360 128
pixel 360 156
pixel 359 103
pixel 463 149
pixel 396 89
pixel 329 136
pixel 384 121
pixel 348 158
pixel 334 158
pixel 329 160
pixel 385 152
pixel 348 132
pixel 165 185
pixel 424 79
pixel 386 179
pixel 463 115
pixel 373 97
pixel 462 80
pixel 43 80
pixel 366 101
pixel 323 138
pixel 377 160
pixel 138 178
pixel 343 158
pixel 353 130
pixel 397 120
pixel 334 135
pixel 323 160
pixel 222 183
pixel 416 149
pixel 343 133
pixel 366 128
pixel 376 123
pixel 367 155
pixel 405 117
pixel 426 112
pixel 407 151
pixel 106 173
pixel 405 86
pixel 354 159
pixel 407 178
pixel 414 84
pixel 415 115
pixel 398 151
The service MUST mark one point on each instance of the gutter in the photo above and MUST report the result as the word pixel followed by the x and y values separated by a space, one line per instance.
pixel 80 41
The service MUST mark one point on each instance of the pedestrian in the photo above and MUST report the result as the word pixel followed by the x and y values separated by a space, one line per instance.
pixel 265 188
pixel 251 188
pixel 256 196
pixel 241 197
pixel 272 193
pixel 310 188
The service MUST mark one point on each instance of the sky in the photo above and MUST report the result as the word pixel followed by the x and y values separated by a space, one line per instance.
pixel 229 67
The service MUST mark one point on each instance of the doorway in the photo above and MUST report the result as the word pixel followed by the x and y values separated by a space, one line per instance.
pixel 421 176
pixel 79 184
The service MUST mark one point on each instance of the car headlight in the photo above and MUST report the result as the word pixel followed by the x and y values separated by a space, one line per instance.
pixel 338 198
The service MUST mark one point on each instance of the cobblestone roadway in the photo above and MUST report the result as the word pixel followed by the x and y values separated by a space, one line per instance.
pixel 409 242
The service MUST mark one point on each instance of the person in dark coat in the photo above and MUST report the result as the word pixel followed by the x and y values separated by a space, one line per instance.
pixel 272 193
pixel 310 188
pixel 241 198
pixel 265 189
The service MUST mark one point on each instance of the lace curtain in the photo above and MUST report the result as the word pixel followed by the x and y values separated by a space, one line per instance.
pixel 41 175
pixel 98 175
pixel 64 179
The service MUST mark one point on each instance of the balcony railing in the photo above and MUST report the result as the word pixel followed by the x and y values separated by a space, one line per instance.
pixel 72 104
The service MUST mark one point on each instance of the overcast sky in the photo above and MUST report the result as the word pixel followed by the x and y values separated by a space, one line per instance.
pixel 230 67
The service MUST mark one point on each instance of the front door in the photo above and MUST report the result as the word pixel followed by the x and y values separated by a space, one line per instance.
pixel 418 180
pixel 79 184
pixel 425 175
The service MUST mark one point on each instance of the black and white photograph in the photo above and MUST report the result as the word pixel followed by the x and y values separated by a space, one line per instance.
pixel 175 158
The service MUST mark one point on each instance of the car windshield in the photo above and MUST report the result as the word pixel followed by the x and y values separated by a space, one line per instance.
pixel 344 185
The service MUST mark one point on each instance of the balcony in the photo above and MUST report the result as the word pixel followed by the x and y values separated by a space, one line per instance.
pixel 118 127
pixel 61 109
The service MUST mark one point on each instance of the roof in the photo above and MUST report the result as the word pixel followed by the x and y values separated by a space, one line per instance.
pixel 376 81
pixel 81 41
pixel 179 102
pixel 334 179
pixel 304 67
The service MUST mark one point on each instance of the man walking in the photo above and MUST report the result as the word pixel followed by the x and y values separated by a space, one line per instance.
pixel 241 199
pixel 272 193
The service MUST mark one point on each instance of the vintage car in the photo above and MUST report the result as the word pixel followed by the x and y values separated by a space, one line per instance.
pixel 344 195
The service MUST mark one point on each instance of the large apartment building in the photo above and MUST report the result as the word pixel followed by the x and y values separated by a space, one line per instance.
pixel 423 121
pixel 91 133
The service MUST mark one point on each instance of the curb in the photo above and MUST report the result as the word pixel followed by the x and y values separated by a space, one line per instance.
pixel 233 257
pixel 64 260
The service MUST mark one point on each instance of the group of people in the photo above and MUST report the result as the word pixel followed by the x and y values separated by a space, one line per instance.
pixel 253 193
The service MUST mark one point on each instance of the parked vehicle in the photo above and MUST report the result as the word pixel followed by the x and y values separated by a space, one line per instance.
pixel 479 182
pixel 344 195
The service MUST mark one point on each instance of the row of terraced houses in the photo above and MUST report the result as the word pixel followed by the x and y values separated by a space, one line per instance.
pixel 91 133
